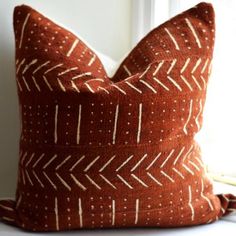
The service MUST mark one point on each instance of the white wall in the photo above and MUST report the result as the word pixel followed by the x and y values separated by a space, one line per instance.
pixel 104 24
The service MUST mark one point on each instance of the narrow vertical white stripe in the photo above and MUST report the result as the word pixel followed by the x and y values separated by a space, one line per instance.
pixel 148 85
pixel 185 65
pixel 172 38
pixel 139 122
pixel 80 213
pixel 26 84
pixel 186 82
pixel 127 70
pixel 72 47
pixel 23 29
pixel 194 32
pixel 196 65
pixel 78 125
pixel 154 160
pixel 136 211
pixel 158 68
pixel 56 214
pixel 113 212
pixel 46 81
pixel 179 155
pixel 138 163
pixel 55 124
pixel 39 67
pixel 115 124
pixel 159 82
pixel 190 202
pixel 167 158
pixel 175 83
pixel 189 117
pixel 35 83
pixel 52 68
pixel 171 66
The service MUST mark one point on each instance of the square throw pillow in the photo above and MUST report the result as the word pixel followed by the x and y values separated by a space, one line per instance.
pixel 101 152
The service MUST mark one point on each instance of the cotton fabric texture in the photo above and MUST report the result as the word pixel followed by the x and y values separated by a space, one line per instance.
pixel 100 152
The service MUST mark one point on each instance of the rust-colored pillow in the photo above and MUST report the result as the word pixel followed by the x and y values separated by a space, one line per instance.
pixel 100 152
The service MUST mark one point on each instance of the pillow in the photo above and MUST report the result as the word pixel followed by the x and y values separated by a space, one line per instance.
pixel 104 152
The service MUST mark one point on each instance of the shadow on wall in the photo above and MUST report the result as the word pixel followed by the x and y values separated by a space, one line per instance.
pixel 9 115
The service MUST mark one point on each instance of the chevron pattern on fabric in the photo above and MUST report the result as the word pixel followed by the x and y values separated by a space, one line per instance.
pixel 100 152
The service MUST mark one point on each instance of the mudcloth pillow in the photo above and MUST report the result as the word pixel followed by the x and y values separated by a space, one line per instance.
pixel 100 152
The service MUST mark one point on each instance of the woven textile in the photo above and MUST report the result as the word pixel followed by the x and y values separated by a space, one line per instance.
pixel 100 152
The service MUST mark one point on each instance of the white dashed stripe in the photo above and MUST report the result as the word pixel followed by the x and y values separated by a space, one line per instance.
pixel 173 39
pixel 72 47
pixel 139 122
pixel 115 124
pixel 55 123
pixel 194 32
pixel 78 125
pixel 23 29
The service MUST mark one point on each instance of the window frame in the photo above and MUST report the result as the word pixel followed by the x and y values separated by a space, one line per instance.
pixel 146 14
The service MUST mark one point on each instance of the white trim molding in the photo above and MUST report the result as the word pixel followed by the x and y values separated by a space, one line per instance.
pixel 142 19
pixel 147 14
